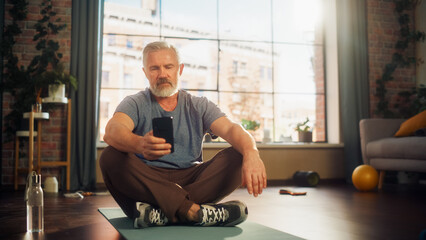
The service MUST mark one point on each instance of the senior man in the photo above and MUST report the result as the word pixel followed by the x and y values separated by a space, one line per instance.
pixel 155 186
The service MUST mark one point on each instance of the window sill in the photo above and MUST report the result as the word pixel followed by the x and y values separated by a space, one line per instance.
pixel 280 145
pixel 289 145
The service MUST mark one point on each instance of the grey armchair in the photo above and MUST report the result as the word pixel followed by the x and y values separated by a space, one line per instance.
pixel 384 152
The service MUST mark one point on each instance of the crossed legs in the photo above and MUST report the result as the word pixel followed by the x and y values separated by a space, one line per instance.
pixel 175 191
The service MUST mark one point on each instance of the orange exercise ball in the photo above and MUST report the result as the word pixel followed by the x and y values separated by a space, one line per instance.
pixel 365 178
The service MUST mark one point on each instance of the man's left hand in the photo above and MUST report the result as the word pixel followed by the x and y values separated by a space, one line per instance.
pixel 253 169
pixel 254 174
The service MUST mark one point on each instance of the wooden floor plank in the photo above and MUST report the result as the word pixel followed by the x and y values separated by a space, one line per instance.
pixel 329 211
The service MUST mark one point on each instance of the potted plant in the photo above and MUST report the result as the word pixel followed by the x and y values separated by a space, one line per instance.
pixel 49 72
pixel 304 131
pixel 56 81
pixel 250 125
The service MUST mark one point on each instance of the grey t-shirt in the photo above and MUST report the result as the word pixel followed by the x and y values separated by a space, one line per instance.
pixel 192 118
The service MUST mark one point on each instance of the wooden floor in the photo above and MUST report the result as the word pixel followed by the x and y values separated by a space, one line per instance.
pixel 330 211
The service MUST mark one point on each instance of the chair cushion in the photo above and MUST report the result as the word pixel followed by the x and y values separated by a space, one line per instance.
pixel 412 124
pixel 403 148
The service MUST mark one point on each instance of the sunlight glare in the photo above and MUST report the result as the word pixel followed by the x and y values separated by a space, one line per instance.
pixel 310 18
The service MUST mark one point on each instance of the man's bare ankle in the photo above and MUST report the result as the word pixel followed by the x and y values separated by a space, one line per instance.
pixel 193 213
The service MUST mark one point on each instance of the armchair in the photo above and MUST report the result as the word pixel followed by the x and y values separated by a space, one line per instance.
pixel 384 152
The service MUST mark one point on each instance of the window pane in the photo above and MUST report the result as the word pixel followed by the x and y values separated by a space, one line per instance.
pixel 109 100
pixel 297 21
pixel 119 61
pixel 233 54
pixel 200 60
pixel 130 16
pixel 298 69
pixel 189 18
pixel 245 66
pixel 291 109
pixel 210 95
pixel 249 106
pixel 245 20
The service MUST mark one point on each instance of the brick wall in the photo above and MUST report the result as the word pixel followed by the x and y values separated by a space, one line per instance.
pixel 383 32
pixel 53 130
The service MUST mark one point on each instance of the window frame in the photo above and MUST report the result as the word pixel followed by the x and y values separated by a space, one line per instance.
pixel 268 72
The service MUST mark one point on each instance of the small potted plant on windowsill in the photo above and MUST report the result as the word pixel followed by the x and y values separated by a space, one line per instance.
pixel 304 131
pixel 250 125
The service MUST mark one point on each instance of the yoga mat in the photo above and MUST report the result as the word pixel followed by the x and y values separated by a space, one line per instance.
pixel 244 231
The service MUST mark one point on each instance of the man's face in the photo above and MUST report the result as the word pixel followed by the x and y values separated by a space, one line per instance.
pixel 163 70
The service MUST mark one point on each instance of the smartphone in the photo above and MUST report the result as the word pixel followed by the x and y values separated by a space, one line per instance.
pixel 163 128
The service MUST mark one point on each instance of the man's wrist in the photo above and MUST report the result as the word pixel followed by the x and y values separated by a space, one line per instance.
pixel 251 152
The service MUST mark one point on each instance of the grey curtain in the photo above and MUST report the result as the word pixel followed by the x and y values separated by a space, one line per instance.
pixel 86 52
pixel 353 76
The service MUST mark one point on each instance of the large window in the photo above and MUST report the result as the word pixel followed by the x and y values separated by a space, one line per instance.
pixel 259 60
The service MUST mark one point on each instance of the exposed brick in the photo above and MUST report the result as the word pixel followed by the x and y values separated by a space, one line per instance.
pixel 33 16
pixel 53 137
pixel 383 32
pixel 34 9
pixel 52 129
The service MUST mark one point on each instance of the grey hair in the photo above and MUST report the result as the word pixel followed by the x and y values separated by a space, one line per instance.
pixel 156 46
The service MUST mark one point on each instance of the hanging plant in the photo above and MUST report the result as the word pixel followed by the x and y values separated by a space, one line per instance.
pixel 400 58
pixel 26 83
pixel 16 78
pixel 412 102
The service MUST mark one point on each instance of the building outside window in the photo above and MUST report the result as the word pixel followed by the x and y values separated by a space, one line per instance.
pixel 105 78
pixel 264 63
pixel 235 67
pixel 129 43
pixel 127 81
pixel 111 40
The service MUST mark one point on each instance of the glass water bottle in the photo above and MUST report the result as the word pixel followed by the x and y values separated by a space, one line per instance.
pixel 34 201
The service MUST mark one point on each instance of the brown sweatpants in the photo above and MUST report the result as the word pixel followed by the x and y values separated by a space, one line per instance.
pixel 130 180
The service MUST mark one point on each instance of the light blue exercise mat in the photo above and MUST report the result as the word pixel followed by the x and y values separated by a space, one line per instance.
pixel 244 231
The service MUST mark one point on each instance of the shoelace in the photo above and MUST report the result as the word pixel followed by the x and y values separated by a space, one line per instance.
pixel 156 216
pixel 214 215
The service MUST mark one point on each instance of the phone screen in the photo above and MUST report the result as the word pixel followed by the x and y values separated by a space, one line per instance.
pixel 163 128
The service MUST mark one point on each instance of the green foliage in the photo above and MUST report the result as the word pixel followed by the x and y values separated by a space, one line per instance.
pixel 412 102
pixel 26 82
pixel 56 76
pixel 303 126
pixel 19 10
pixel 399 58
pixel 45 28
pixel 250 124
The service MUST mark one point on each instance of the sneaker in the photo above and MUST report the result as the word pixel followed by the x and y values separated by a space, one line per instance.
pixel 149 216
pixel 224 214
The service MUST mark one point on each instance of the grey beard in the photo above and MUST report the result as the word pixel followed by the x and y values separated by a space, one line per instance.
pixel 165 91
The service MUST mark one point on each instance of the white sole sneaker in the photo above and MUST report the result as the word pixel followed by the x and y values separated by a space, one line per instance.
pixel 226 214
pixel 149 216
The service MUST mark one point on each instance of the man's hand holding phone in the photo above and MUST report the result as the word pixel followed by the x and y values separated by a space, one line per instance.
pixel 155 147
pixel 159 141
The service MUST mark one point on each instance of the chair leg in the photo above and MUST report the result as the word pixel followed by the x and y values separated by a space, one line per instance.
pixel 381 179
pixel 16 162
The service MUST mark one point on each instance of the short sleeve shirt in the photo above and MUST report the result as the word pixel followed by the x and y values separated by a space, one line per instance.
pixel 192 118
